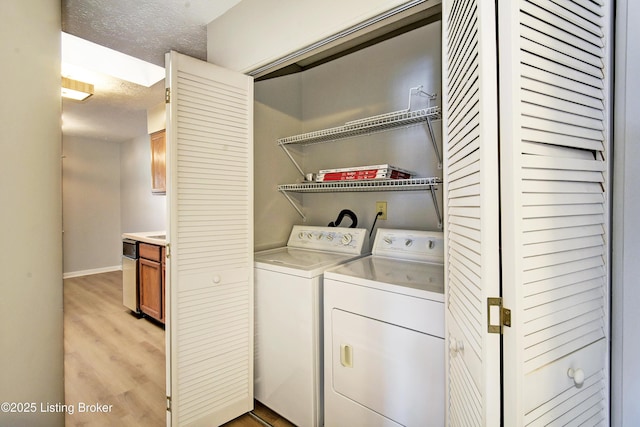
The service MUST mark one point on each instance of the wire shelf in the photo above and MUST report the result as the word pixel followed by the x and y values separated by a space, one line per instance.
pixel 413 184
pixel 365 126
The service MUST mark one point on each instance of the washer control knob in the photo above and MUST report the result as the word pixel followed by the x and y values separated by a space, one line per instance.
pixel 330 237
pixel 300 235
pixel 408 242
pixel 388 240
pixel 346 239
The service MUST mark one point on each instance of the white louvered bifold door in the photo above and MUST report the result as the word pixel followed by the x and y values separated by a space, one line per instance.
pixel 554 132
pixel 472 263
pixel 210 199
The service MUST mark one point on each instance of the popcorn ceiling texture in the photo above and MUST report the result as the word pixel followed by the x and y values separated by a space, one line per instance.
pixel 145 29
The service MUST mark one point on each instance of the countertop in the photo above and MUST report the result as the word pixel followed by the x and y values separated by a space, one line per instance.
pixel 151 237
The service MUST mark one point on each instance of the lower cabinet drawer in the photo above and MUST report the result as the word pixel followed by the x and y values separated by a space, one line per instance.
pixel 148 251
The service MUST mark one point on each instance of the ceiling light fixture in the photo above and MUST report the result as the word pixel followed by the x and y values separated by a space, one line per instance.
pixel 82 54
pixel 75 89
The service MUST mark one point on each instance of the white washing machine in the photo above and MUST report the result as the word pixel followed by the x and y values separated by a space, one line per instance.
pixel 288 318
pixel 384 334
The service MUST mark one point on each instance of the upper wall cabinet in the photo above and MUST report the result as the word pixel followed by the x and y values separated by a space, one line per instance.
pixel 158 163
pixel 285 32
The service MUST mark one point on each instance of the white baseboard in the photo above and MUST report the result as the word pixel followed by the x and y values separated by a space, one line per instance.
pixel 92 271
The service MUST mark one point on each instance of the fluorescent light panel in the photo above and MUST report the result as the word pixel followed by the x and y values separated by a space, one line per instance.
pixel 75 89
pixel 81 53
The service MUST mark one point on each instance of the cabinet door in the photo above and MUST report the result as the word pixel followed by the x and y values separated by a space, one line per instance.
pixel 472 260
pixel 150 288
pixel 210 264
pixel 163 257
pixel 554 83
pixel 158 162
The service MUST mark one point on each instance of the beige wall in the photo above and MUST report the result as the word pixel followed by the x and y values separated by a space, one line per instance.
pixel 31 356
pixel 140 210
pixel 91 205
pixel 106 192
pixel 280 27
pixel 277 111
pixel 372 81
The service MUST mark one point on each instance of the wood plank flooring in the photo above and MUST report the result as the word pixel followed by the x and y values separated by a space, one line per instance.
pixel 111 357
pixel 114 358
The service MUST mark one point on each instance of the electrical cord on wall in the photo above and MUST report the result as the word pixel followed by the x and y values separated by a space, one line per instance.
pixel 374 224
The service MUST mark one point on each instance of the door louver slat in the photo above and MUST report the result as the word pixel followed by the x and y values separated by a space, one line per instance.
pixel 568 14
pixel 471 227
pixel 557 21
pixel 559 115
pixel 544 89
pixel 539 49
pixel 559 34
pixel 562 210
pixel 210 266
pixel 572 50
pixel 553 413
pixel 463 112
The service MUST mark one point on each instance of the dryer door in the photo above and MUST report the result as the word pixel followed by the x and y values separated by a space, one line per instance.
pixel 387 372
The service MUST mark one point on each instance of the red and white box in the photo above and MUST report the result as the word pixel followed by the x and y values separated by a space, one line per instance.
pixel 363 173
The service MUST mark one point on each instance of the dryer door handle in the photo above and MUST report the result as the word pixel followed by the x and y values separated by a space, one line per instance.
pixel 346 355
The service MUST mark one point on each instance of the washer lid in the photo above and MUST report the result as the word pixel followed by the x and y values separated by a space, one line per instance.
pixel 299 261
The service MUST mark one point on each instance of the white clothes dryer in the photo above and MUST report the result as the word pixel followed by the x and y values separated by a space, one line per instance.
pixel 384 334
pixel 288 318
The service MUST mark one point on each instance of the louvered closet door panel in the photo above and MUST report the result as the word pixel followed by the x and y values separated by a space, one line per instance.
pixel 471 211
pixel 554 66
pixel 211 236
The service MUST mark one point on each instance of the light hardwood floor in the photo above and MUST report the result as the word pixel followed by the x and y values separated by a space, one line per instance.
pixel 111 357
pixel 114 358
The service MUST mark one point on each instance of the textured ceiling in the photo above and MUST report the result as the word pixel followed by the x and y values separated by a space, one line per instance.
pixel 145 29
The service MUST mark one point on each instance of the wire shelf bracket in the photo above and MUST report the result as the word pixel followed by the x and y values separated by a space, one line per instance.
pixel 413 184
pixel 371 125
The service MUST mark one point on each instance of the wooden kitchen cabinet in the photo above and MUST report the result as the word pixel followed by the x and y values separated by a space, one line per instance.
pixel 164 293
pixel 158 162
pixel 151 281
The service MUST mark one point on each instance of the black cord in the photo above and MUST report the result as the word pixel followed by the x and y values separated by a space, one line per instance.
pixel 374 224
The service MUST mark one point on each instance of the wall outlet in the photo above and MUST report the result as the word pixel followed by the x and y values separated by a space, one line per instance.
pixel 381 207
